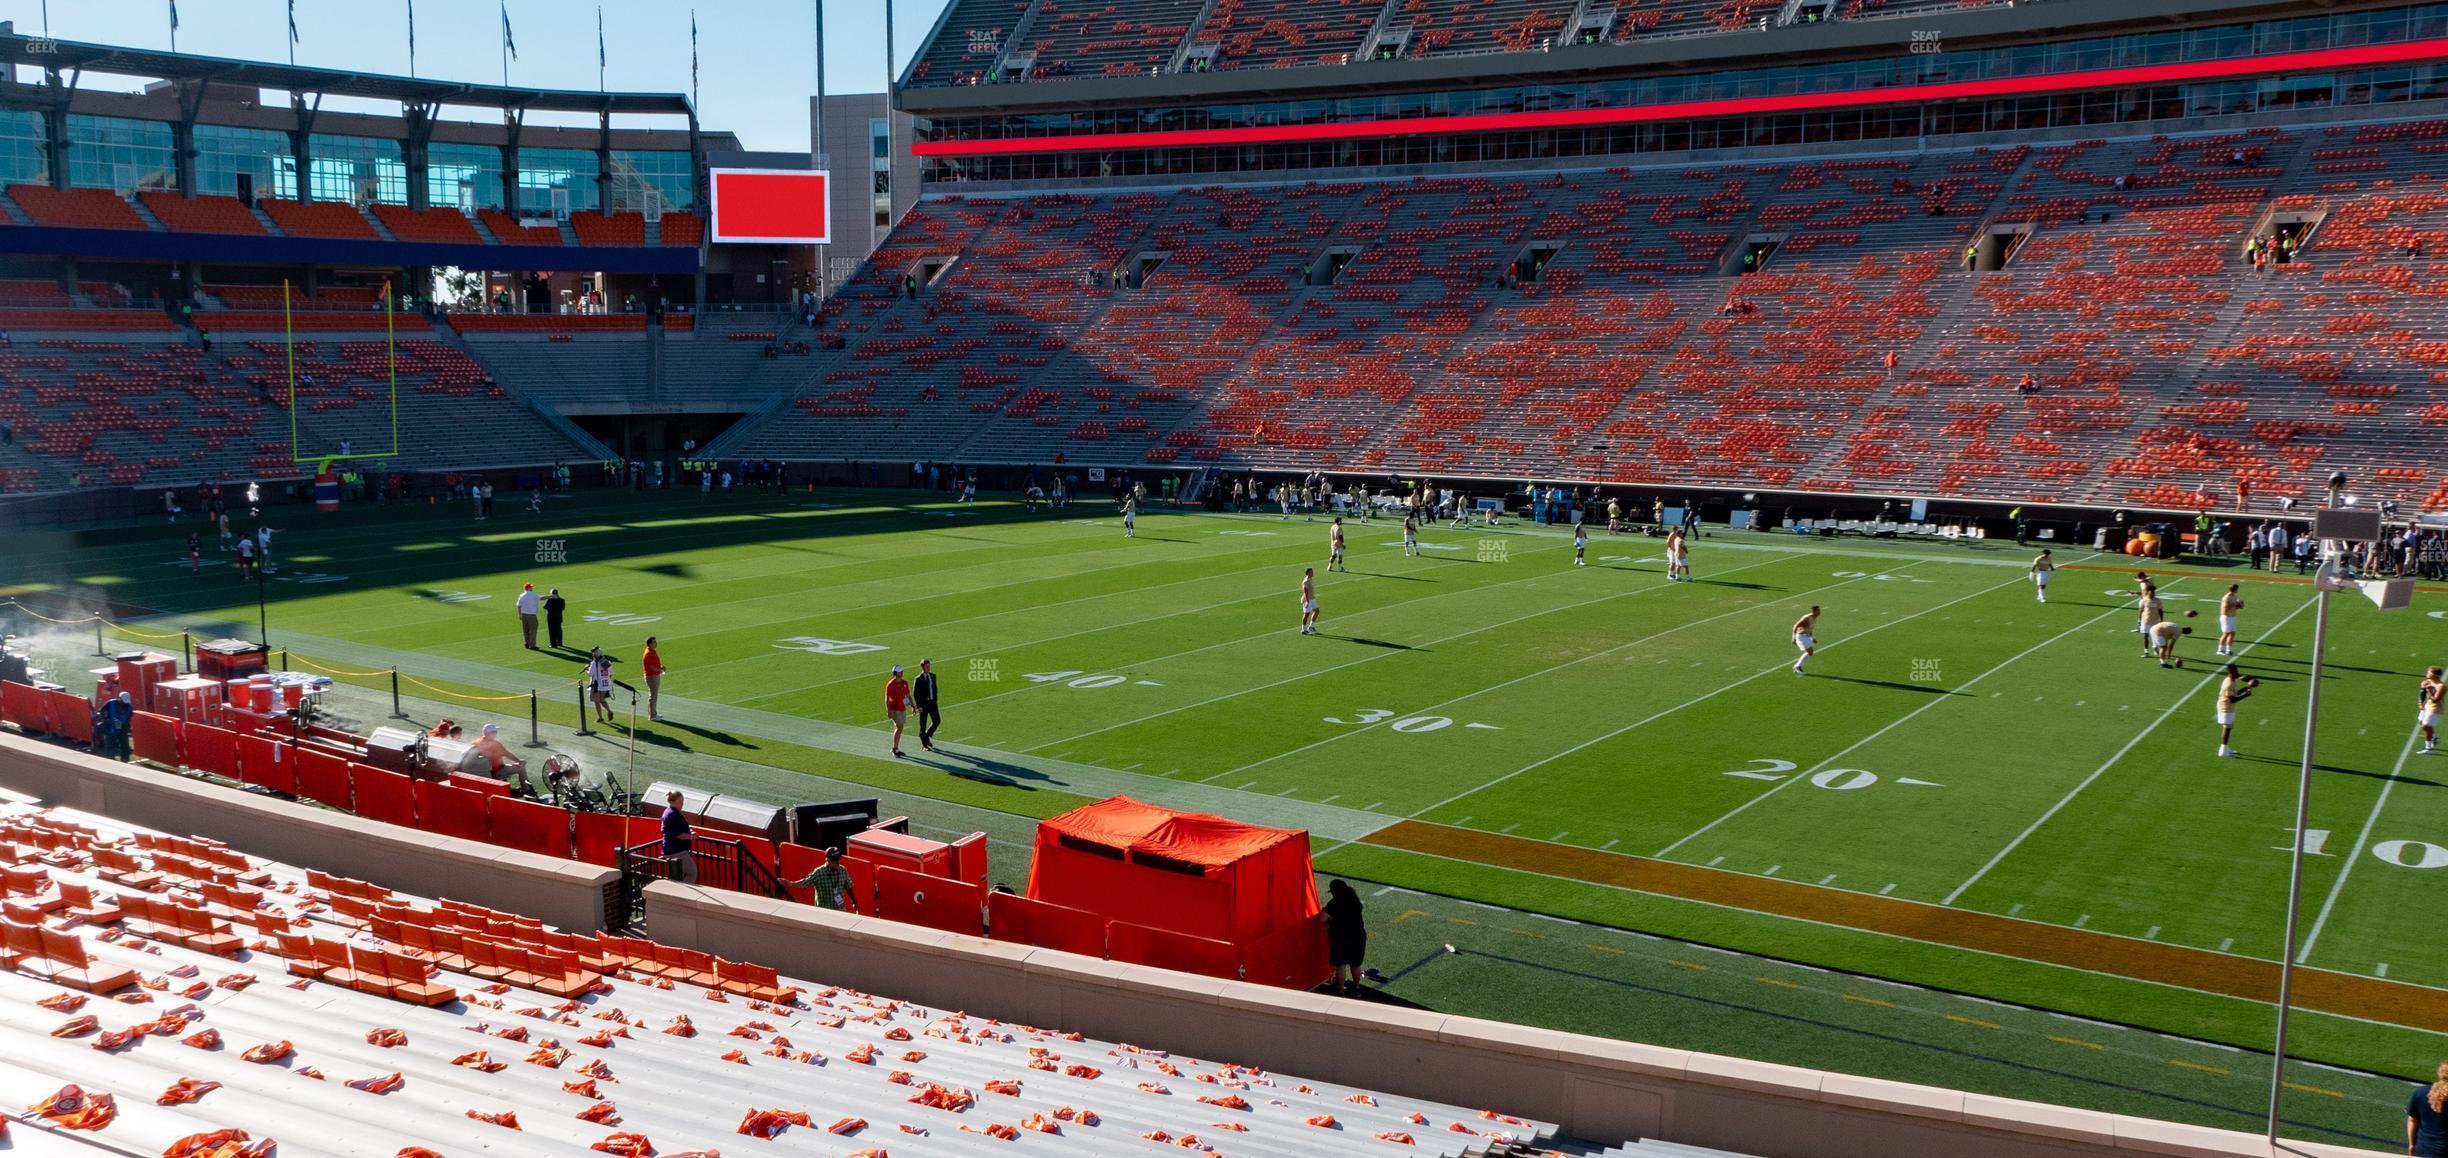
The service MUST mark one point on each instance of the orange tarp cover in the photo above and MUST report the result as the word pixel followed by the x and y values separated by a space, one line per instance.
pixel 1184 872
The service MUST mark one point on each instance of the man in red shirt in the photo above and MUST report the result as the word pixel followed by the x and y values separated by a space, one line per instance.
pixel 652 664
pixel 896 705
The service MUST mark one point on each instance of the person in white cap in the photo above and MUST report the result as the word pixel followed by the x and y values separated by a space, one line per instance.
pixel 896 705
pixel 528 604
pixel 497 758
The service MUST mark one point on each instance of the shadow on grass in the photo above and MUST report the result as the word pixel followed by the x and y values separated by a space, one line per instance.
pixel 1388 644
pixel 1924 689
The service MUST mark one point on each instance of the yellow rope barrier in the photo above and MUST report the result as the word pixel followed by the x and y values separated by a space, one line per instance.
pixel 302 661
pixel 126 630
pixel 90 618
pixel 460 695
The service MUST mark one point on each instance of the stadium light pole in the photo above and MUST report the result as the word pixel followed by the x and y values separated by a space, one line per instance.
pixel 824 253
pixel 2337 528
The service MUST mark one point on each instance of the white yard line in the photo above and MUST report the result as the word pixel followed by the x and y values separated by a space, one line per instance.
pixel 2337 887
pixel 2111 762
pixel 1545 670
pixel 1898 722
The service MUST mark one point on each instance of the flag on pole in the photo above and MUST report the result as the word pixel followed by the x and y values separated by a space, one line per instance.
pixel 174 25
pixel 599 48
pixel 293 35
pixel 412 37
pixel 692 56
pixel 509 42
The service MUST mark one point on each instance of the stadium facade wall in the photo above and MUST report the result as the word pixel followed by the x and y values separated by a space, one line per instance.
pixel 131 245
pixel 1598 1089
pixel 566 894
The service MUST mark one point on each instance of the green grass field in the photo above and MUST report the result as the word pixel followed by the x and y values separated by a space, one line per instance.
pixel 1956 745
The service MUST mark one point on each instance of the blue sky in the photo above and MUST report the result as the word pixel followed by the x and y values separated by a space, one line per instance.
pixel 756 57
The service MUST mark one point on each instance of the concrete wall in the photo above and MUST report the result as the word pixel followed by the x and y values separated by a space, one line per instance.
pixel 1598 1089
pixel 561 893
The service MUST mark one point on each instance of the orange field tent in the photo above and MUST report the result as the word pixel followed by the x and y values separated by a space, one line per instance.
pixel 1183 872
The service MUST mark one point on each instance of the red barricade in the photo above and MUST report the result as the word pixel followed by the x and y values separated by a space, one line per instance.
pixel 529 827
pixel 1294 958
pixel 383 796
pixel 157 738
pixel 211 749
pixel 602 836
pixel 1021 921
pixel 267 762
pixel 935 902
pixel 25 706
pixel 449 811
pixel 323 776
pixel 798 860
pixel 71 716
pixel 1166 949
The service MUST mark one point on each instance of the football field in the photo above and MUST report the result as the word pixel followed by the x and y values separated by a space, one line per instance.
pixel 1969 791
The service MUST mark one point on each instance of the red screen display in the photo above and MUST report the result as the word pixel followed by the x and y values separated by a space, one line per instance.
pixel 771 206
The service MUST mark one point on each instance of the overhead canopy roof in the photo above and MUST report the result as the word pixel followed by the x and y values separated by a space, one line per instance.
pixel 38 52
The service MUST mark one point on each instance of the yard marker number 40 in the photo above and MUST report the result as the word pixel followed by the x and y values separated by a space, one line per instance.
pixel 1833 779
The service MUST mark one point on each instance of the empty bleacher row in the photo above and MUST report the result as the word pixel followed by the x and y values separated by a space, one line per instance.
pixel 1057 39
pixel 190 989
pixel 1863 356
pixel 339 220
pixel 159 411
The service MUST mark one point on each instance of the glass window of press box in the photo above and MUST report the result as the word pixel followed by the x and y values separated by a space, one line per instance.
pixel 462 176
pixel 667 172
pixel 22 159
pixel 224 154
pixel 119 153
pixel 359 170
pixel 543 172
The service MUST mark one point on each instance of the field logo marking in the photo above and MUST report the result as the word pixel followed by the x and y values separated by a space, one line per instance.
pixel 454 596
pixel 552 551
pixel 2394 848
pixel 985 670
pixel 814 646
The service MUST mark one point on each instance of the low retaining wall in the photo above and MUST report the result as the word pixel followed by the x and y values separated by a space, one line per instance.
pixel 566 894
pixel 1598 1089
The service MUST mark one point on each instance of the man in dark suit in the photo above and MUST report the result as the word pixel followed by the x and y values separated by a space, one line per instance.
pixel 922 693
pixel 554 608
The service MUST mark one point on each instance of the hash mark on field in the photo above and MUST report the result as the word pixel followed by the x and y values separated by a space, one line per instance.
pixel 1694 966
pixel 2152 934
pixel 2076 1041
pixel 1558 838
pixel 2225 944
pixel 1891 887
pixel 1133 766
pixel 1972 1021
pixel 1375 807
pixel 1457 824
pixel 1715 863
pixel 2083 920
pixel 1510 827
pixel 1287 791
pixel 2079 703
pixel 1868 1001
pixel 2195 1066
pixel 1825 879
pixel 1611 842
pixel 1332 799
pixel 1247 787
pixel 2381 971
pixel 2314 1090
pixel 1772 870
pixel 2016 908
pixel 1776 981
pixel 1609 949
